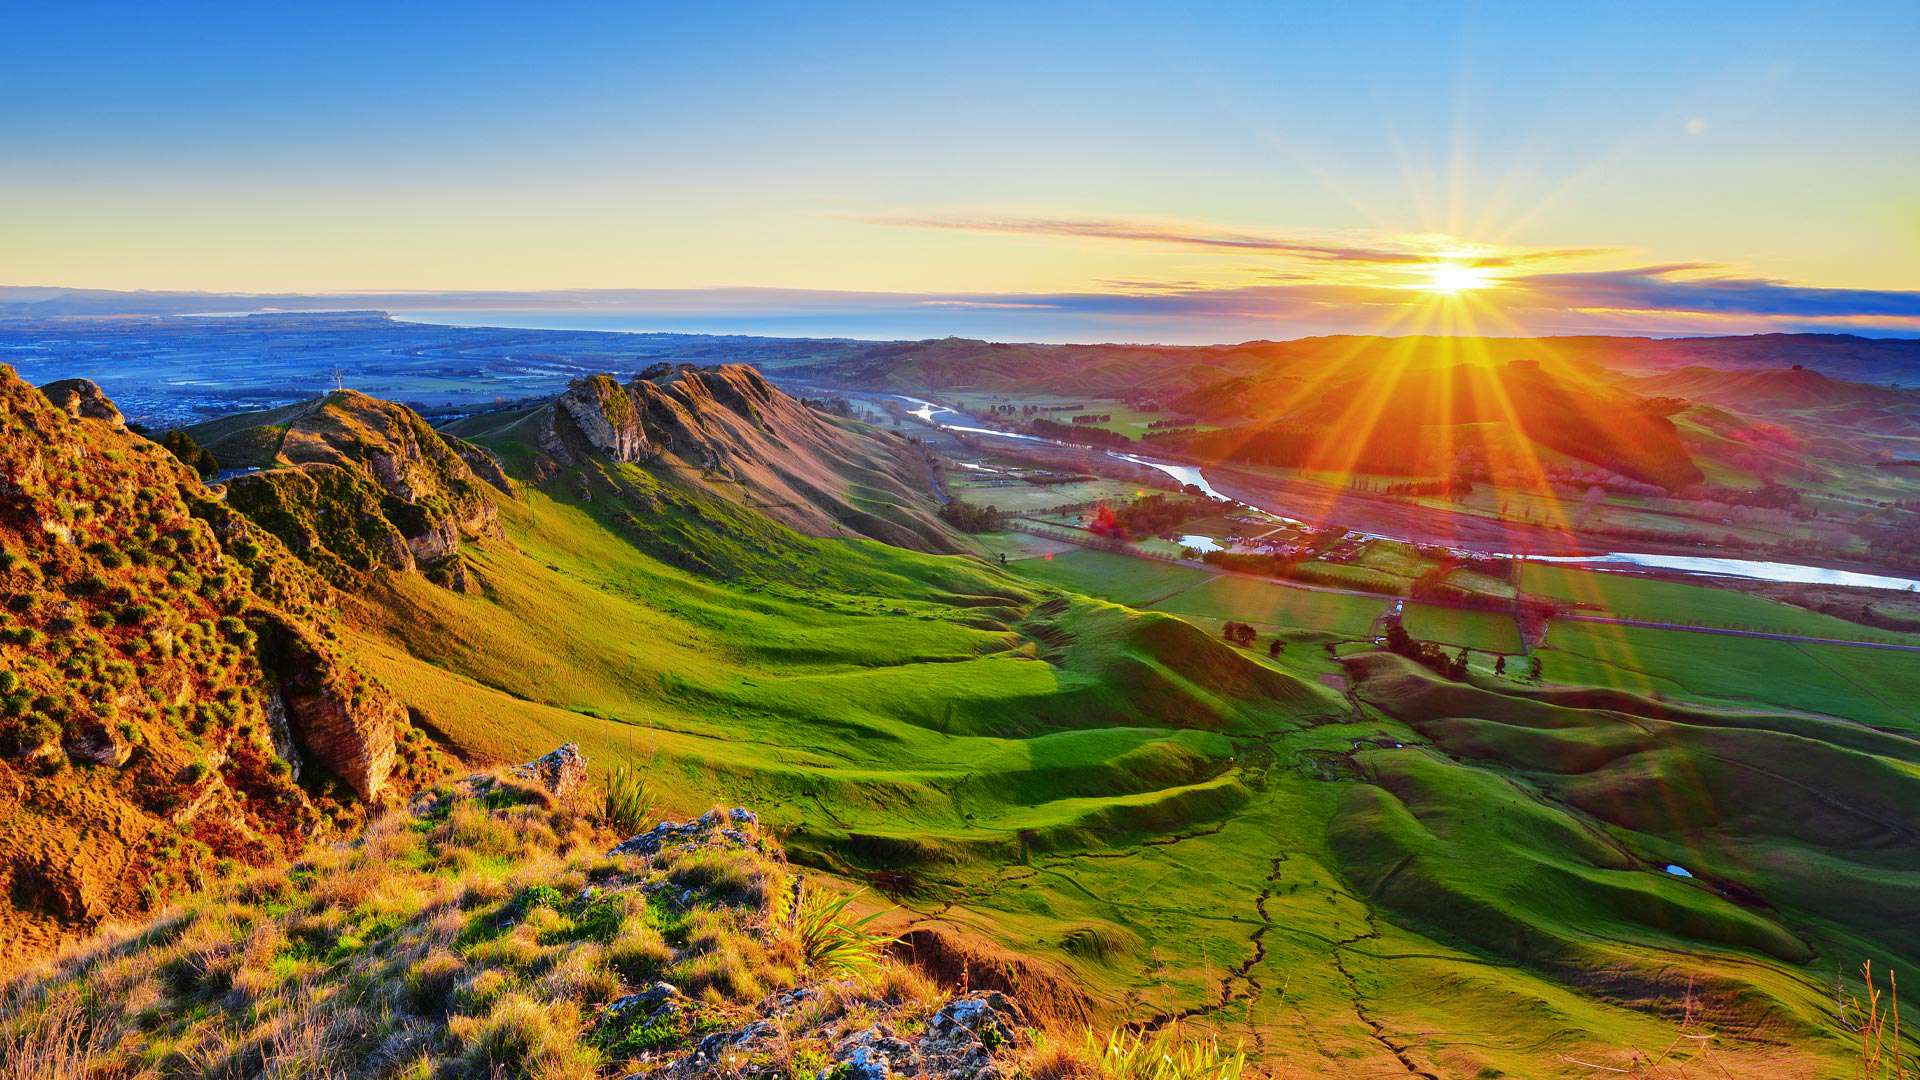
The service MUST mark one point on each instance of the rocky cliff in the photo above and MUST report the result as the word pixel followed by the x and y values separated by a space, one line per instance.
pixel 352 483
pixel 727 431
pixel 171 692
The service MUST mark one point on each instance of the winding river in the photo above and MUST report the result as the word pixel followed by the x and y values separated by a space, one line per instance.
pixel 1708 566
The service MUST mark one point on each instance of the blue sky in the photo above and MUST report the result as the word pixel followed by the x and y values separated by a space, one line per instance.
pixel 238 148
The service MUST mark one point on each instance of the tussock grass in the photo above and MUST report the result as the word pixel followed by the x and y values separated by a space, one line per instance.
pixel 1133 1055
pixel 627 804
pixel 833 940
pixel 484 936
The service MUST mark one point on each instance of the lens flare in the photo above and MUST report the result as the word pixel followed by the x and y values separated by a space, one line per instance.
pixel 1452 277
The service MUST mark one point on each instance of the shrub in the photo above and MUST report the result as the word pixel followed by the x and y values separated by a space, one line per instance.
pixel 833 941
pixel 1134 1055
pixel 628 803
pixel 520 1037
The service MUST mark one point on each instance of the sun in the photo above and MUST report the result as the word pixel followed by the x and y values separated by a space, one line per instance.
pixel 1453 277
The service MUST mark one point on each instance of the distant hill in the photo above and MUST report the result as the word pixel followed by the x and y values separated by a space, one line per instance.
pixel 1125 370
pixel 727 431
pixel 1796 387
pixel 1427 421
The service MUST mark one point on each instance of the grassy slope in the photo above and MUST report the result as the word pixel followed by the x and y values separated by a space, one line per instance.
pixel 886 726
pixel 1461 848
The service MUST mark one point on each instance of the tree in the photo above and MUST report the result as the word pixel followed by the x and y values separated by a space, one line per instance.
pixel 191 454
pixel 1500 665
pixel 1238 633
pixel 1536 669
pixel 1276 647
pixel 1458 669
pixel 967 517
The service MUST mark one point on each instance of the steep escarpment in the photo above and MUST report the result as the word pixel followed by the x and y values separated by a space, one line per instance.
pixel 352 483
pixel 726 431
pixel 173 693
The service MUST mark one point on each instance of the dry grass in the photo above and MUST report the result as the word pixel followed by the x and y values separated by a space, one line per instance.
pixel 1870 1019
pixel 1873 1016
pixel 484 937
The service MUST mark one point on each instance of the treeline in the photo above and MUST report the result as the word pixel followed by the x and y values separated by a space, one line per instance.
pixel 972 518
pixel 1086 436
pixel 1148 515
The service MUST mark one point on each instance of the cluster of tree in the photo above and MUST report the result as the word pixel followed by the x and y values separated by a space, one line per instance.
pixel 1171 434
pixel 968 517
pixel 1087 436
pixel 1171 422
pixel 1148 515
pixel 1450 487
pixel 1425 653
pixel 1243 635
pixel 837 406
pixel 1094 418
pixel 1435 659
pixel 191 454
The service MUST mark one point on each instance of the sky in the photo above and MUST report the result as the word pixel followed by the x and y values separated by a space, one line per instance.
pixel 1044 172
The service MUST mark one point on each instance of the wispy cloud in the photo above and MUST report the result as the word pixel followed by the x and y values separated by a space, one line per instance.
pixel 1657 289
pixel 1184 235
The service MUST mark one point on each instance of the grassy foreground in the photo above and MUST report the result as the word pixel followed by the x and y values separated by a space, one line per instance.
pixel 496 931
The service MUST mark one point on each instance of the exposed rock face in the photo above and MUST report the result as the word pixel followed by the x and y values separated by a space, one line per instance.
pixel 484 463
pixel 604 415
pixel 82 397
pixel 362 483
pixel 728 430
pixel 340 718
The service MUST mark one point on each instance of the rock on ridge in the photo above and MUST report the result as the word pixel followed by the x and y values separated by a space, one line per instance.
pixel 83 397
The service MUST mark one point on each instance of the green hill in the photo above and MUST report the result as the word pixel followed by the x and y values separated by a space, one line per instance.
pixel 1113 813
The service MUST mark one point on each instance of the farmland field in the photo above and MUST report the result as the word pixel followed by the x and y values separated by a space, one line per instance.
pixel 1875 686
pixel 1490 631
pixel 1270 604
pixel 1630 596
pixel 1123 579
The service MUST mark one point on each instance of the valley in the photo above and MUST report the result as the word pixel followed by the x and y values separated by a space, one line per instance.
pixel 1035 747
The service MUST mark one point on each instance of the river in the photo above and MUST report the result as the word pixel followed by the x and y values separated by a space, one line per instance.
pixel 1703 565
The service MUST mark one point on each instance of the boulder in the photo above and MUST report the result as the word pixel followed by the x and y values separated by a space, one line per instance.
pixel 561 771
pixel 83 397
pixel 963 1038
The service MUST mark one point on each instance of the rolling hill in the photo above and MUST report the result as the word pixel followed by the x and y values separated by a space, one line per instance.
pixel 1427 421
pixel 1348 865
